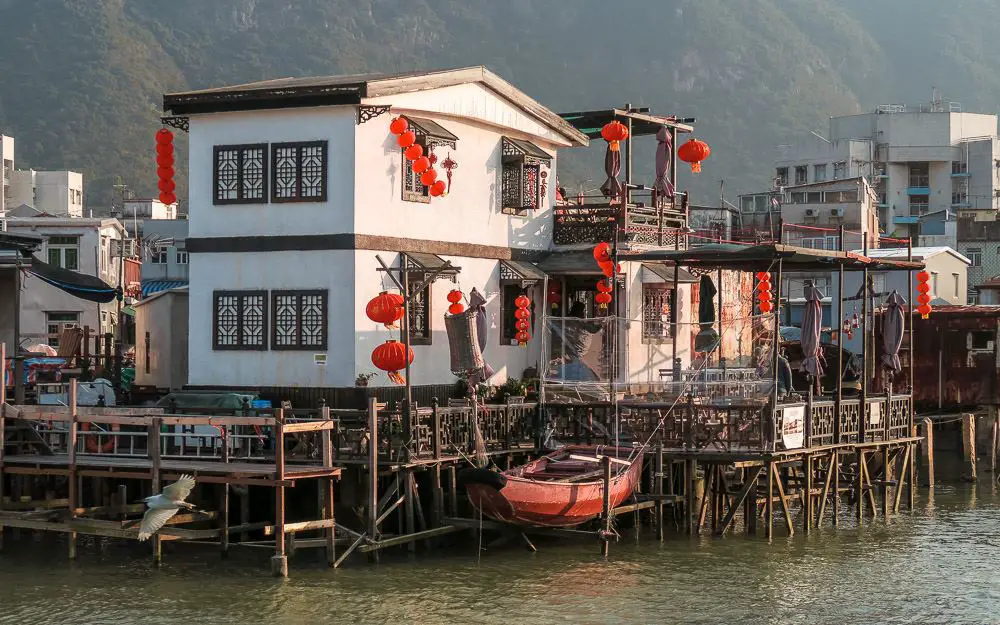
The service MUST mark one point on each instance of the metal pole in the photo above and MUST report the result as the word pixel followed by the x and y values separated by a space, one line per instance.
pixel 628 159
pixel 840 345
pixel 675 318
pixel 865 327
pixel 776 337
pixel 18 367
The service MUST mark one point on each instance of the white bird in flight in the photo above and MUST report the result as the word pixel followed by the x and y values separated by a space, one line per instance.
pixel 165 505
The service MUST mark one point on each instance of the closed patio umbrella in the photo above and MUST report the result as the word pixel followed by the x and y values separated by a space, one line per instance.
pixel 812 325
pixel 612 187
pixel 707 339
pixel 892 332
pixel 663 186
pixel 478 303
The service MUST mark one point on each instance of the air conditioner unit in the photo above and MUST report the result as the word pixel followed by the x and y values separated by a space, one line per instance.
pixel 810 212
pixel 837 212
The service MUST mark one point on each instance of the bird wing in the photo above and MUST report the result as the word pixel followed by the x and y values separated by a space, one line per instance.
pixel 153 520
pixel 179 490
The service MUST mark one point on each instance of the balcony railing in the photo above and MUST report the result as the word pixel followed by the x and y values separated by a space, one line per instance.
pixel 593 219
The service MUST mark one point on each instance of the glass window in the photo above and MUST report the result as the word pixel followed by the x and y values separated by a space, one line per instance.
pixel 801 174
pixel 64 251
pixel 657 307
pixel 819 173
pixel 920 175
pixel 56 322
pixel 781 176
pixel 182 257
pixel 413 189
pixel 839 170
pixel 956 282
pixel 975 256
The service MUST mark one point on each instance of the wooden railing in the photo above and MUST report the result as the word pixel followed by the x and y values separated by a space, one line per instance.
pixel 595 219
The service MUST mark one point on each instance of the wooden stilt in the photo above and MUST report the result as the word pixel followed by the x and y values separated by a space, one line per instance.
pixel 691 481
pixel 887 475
pixel 331 532
pixel 749 483
pixel 831 469
pixel 224 520
pixel 705 496
pixel 408 510
pixel 750 506
pixel 372 490
pixel 927 453
pixel 153 449
pixel 71 444
pixel 807 521
pixel 969 446
pixel 904 471
pixel 912 482
pixel 784 503
pixel 836 486
pixel 279 562
pixel 606 508
pixel 452 492
pixel 769 502
pixel 3 426
pixel 869 489
pixel 658 490
pixel 859 486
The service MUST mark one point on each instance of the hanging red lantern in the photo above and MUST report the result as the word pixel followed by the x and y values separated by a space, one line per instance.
pixel 385 308
pixel 555 295
pixel 421 165
pixel 603 299
pixel 604 286
pixel 165 165
pixel 609 269
pixel 398 126
pixel 763 276
pixel 765 307
pixel 413 152
pixel 923 298
pixel 522 313
pixel 428 177
pixel 392 357
pixel 522 301
pixel 763 285
pixel 522 338
pixel 406 139
pixel 454 296
pixel 924 310
pixel 456 308
pixel 522 325
pixel 438 188
pixel 923 287
pixel 602 253
pixel 613 132
pixel 694 152
pixel 764 296
pixel 764 292
pixel 923 276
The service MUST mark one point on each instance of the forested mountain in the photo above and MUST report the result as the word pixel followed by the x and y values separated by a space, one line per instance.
pixel 81 80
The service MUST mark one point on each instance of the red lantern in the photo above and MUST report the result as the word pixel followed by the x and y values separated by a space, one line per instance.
pixel 398 126
pixel 454 296
pixel 603 299
pixel 763 276
pixel 164 136
pixel 165 165
pixel 428 177
pixel 924 310
pixel 391 357
pixel 604 286
pixel 164 149
pixel 763 285
pixel 168 198
pixel 609 269
pixel 764 296
pixel 613 132
pixel 765 307
pixel 385 308
pixel 694 152
pixel 522 338
pixel 923 298
pixel 522 313
pixel 438 188
pixel 456 309
pixel 406 139
pixel 165 172
pixel 602 253
pixel 923 287
pixel 421 165
pixel 165 161
pixel 413 152
pixel 923 276
pixel 522 325
pixel 555 295
pixel 522 301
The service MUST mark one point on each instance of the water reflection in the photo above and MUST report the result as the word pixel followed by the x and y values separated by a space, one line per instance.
pixel 934 565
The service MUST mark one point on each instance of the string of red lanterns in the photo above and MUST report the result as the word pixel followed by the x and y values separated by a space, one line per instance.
pixel 764 292
pixel 165 165
pixel 523 323
pixel 414 152
pixel 924 294
pixel 455 298
pixel 603 297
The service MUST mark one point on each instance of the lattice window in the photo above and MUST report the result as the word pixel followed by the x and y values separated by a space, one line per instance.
pixel 240 174
pixel 239 320
pixel 413 189
pixel 299 171
pixel 520 175
pixel 511 190
pixel 657 305
pixel 300 320
pixel 420 315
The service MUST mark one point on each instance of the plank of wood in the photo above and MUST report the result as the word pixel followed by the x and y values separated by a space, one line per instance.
pixel 308 426
pixel 301 526
pixel 408 538
pixel 597 459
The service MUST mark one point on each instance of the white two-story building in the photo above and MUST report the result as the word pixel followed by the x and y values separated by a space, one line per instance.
pixel 298 189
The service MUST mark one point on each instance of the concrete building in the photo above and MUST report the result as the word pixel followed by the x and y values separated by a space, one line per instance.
pixel 814 213
pixel 16 251
pixel 920 161
pixel 161 346
pixel 165 257
pixel 146 208
pixel 83 245
pixel 6 175
pixel 56 193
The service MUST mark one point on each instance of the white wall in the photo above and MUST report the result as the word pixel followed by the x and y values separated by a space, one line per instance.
pixel 333 270
pixel 645 359
pixel 58 193
pixel 333 124
pixel 165 318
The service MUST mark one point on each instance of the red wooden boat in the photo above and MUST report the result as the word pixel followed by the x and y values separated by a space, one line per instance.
pixel 562 489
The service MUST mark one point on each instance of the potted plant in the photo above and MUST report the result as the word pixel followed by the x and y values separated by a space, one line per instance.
pixel 362 380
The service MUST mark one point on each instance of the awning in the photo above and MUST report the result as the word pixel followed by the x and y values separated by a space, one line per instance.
pixel 431 132
pixel 90 288
pixel 643 122
pixel 660 272
pixel 517 271
pixel 519 149
pixel 765 257
pixel 155 286
pixel 570 263
pixel 423 262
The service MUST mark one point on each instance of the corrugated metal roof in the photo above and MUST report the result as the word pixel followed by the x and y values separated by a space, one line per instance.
pixel 155 286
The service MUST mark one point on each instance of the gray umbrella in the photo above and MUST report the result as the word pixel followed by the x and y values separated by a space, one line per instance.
pixel 812 326
pixel 663 186
pixel 707 338
pixel 612 187
pixel 892 332
pixel 478 303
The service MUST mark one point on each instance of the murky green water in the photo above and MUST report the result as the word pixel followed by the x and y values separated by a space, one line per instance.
pixel 937 565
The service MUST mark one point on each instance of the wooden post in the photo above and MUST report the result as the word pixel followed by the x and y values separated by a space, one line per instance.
pixel 606 507
pixel 452 491
pixel 224 520
pixel 406 478
pixel 927 453
pixel 750 505
pixel 153 450
pixel 807 462
pixel 690 511
pixel 769 504
pixel 994 437
pixel 279 561
pixel 437 496
pixel 326 487
pixel 658 490
pixel 969 446
pixel 859 483
pixel 73 494
pixel 835 467
pixel 373 469
pixel 888 473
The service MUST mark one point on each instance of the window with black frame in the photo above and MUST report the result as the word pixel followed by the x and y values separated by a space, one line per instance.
pixel 299 320
pixel 420 314
pixel 239 320
pixel 240 174
pixel 299 171
pixel 657 312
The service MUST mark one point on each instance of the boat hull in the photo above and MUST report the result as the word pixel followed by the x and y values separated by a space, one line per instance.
pixel 538 503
